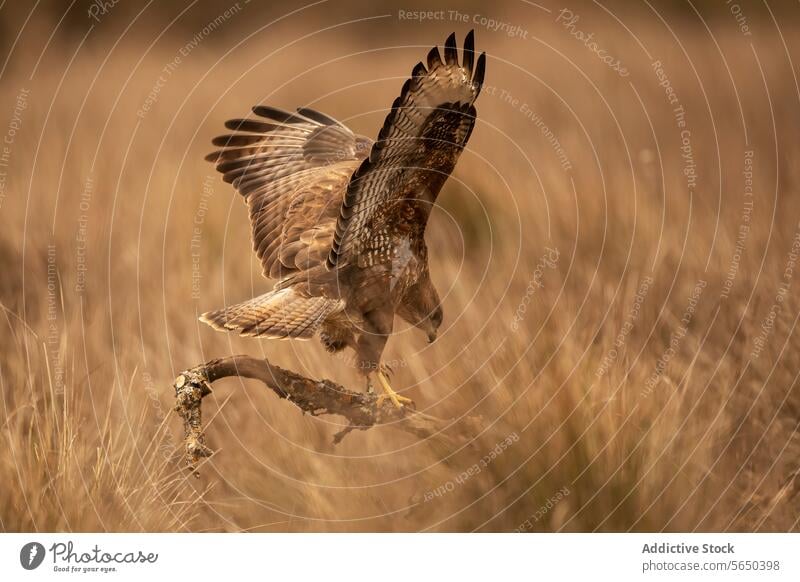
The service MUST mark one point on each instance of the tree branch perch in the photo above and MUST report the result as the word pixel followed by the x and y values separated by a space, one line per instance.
pixel 315 397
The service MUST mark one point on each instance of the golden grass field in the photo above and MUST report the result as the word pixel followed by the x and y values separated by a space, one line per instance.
pixel 620 290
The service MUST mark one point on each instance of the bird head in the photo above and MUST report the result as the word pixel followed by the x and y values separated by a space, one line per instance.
pixel 422 308
pixel 427 321
pixel 433 322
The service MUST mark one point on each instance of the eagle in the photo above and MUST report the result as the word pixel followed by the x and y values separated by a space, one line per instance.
pixel 339 220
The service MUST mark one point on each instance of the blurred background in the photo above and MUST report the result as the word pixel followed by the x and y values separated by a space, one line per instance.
pixel 616 252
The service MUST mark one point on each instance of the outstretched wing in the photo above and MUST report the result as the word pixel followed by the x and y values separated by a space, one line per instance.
pixel 417 148
pixel 292 169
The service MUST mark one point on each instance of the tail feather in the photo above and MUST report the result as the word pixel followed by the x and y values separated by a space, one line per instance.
pixel 280 314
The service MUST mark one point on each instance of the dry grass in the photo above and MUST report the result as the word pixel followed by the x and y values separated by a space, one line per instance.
pixel 87 437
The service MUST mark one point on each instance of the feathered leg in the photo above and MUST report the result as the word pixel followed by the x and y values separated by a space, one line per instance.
pixel 371 342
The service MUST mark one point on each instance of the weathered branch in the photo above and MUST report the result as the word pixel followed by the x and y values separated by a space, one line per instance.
pixel 315 397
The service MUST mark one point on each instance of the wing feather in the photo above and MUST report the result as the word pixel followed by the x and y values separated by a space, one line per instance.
pixel 282 160
pixel 417 147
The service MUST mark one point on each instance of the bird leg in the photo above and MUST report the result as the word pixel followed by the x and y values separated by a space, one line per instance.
pixel 370 346
pixel 396 399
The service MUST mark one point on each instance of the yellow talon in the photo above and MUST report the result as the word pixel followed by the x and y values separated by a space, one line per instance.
pixel 396 399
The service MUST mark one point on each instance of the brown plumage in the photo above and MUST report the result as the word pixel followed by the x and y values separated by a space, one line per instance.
pixel 340 220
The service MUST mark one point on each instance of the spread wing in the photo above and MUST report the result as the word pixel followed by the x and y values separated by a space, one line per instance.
pixel 417 148
pixel 292 169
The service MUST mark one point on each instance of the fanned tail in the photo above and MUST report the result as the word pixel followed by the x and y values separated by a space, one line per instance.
pixel 280 314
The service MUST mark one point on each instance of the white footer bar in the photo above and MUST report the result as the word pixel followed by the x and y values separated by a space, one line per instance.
pixel 396 557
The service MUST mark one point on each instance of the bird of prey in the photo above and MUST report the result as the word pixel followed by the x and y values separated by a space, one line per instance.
pixel 339 220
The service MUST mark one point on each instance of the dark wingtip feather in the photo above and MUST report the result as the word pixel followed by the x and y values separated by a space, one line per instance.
pixel 249 125
pixel 450 50
pixel 234 124
pixel 419 70
pixel 276 114
pixel 480 71
pixel 469 51
pixel 434 58
pixel 236 140
pixel 317 116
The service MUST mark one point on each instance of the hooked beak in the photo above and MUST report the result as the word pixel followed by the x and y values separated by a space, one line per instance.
pixel 432 337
